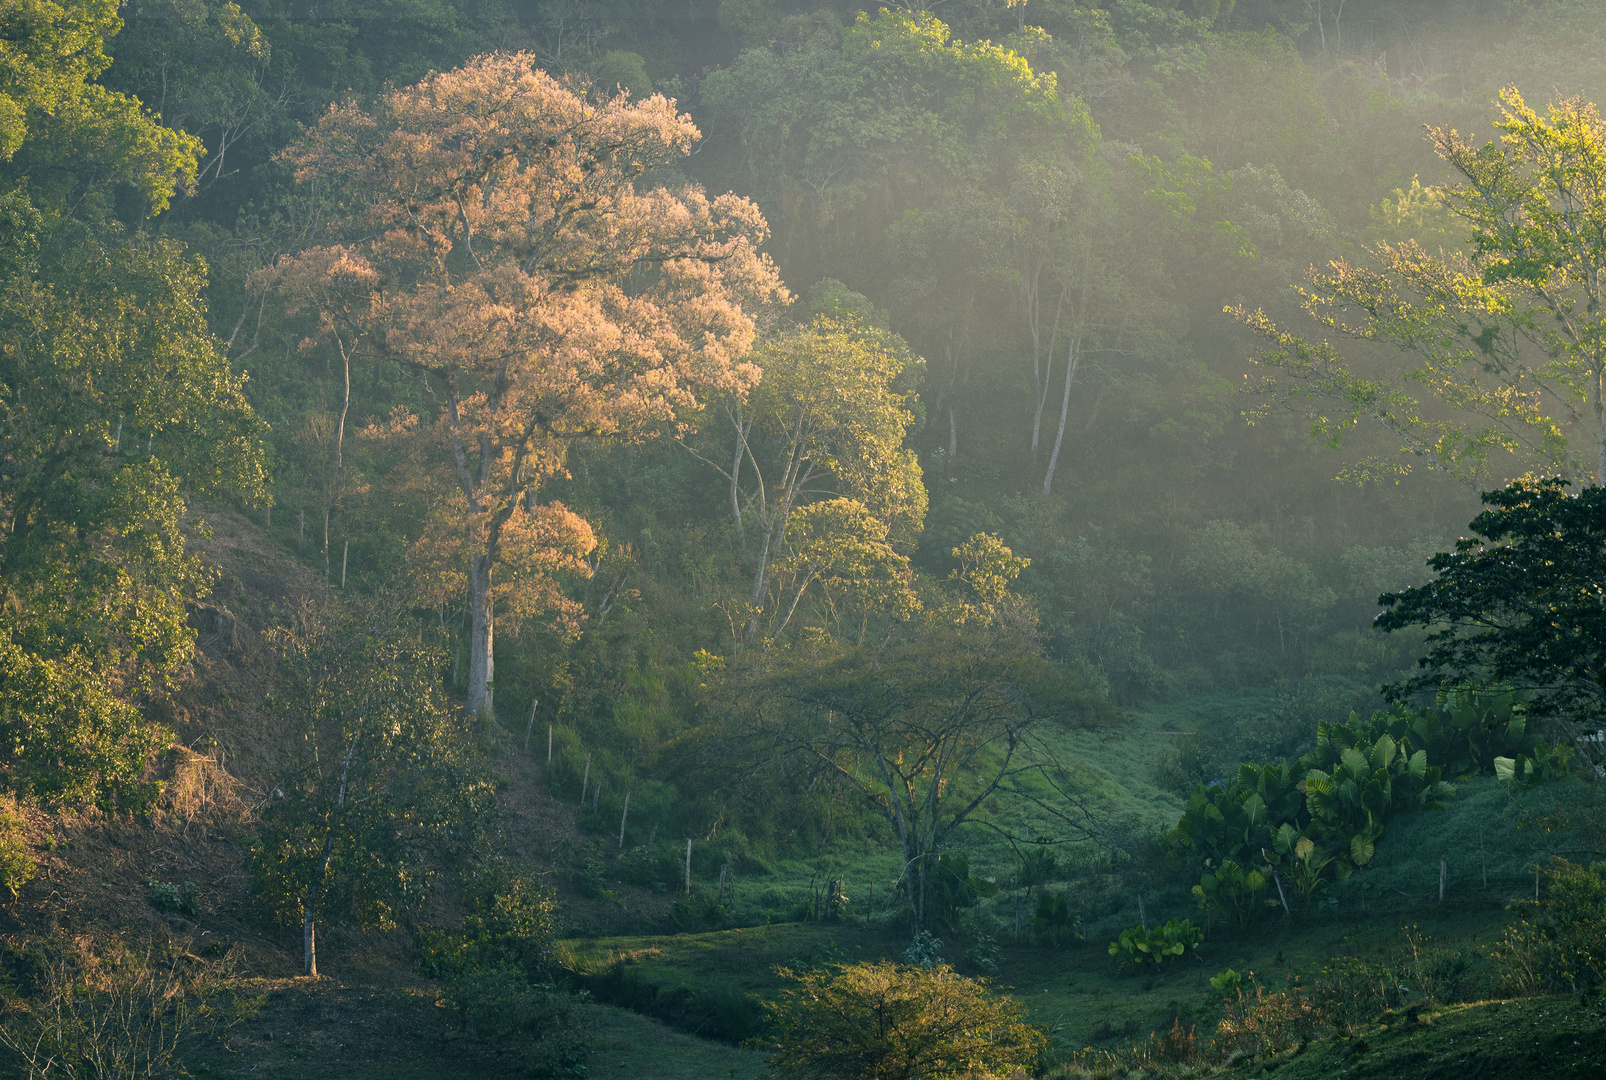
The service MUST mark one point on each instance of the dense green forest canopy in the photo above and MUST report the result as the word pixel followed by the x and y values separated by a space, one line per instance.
pixel 742 359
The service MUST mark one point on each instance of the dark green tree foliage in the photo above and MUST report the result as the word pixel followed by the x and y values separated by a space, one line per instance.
pixel 116 407
pixel 383 789
pixel 73 139
pixel 1519 602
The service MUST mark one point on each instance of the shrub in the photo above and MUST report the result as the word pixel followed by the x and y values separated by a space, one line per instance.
pixel 498 1005
pixel 1560 943
pixel 981 948
pixel 924 950
pixel 184 899
pixel 1230 891
pixel 701 910
pixel 1265 1023
pixel 115 1012
pixel 880 1021
pixel 17 866
pixel 515 926
pixel 1348 992
pixel 1140 947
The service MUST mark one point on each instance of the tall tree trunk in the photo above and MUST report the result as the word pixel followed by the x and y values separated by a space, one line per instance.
pixel 736 471
pixel 309 930
pixel 309 909
pixel 1600 424
pixel 345 407
pixel 799 470
pixel 481 658
pixel 1042 400
pixel 1071 360
pixel 917 895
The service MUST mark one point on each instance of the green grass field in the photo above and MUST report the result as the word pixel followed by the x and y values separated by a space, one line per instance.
pixel 1486 844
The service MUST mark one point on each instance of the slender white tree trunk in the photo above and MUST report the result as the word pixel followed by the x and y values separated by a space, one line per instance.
pixel 1042 400
pixel 1071 360
pixel 309 909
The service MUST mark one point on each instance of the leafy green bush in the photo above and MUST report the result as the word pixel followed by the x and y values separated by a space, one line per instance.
pixel 499 1005
pixel 1350 992
pixel 1231 891
pixel 700 910
pixel 952 889
pixel 1141 947
pixel 924 951
pixel 514 925
pixel 981 948
pixel 1229 982
pixel 657 867
pixel 1320 818
pixel 184 899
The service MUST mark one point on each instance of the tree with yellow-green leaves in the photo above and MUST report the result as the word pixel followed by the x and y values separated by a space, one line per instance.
pixel 827 419
pixel 887 1021
pixel 1495 355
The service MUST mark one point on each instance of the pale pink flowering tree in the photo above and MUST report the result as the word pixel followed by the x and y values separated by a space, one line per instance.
pixel 525 265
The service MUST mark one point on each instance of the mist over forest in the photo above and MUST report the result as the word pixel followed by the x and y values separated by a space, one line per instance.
pixel 541 536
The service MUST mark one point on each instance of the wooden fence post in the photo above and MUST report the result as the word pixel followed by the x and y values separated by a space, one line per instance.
pixel 585 782
pixel 622 818
pixel 688 866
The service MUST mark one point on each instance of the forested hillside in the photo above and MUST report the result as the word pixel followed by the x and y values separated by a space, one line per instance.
pixel 476 477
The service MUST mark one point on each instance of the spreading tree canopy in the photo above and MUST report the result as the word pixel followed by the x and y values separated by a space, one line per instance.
pixel 1520 602
pixel 1503 344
